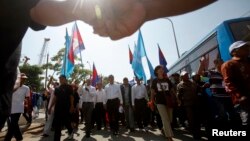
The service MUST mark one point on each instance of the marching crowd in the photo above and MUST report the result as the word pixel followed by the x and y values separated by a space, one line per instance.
pixel 108 19
pixel 213 99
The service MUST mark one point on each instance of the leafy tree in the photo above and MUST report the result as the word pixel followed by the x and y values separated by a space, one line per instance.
pixel 33 73
pixel 105 81
pixel 79 73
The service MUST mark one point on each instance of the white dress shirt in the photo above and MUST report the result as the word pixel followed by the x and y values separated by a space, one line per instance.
pixel 139 92
pixel 18 98
pixel 100 96
pixel 87 96
pixel 113 91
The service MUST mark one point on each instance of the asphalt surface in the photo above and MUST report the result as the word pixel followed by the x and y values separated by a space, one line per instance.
pixel 35 130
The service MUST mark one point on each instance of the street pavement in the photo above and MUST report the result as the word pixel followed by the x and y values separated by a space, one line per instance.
pixel 34 133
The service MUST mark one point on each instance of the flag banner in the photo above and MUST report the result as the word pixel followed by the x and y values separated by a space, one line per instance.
pixel 68 63
pixel 76 45
pixel 151 69
pixel 139 52
pixel 73 46
pixel 162 60
pixel 95 77
pixel 130 56
pixel 77 42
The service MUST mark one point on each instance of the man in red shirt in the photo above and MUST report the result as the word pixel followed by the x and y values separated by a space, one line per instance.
pixel 236 75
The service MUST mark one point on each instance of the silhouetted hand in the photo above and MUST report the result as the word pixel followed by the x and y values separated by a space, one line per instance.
pixel 118 18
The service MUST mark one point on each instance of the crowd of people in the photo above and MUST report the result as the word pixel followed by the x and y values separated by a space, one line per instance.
pixel 108 18
pixel 212 99
pixel 173 100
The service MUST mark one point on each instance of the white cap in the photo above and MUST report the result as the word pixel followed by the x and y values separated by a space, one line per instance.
pixel 193 74
pixel 183 73
pixel 237 44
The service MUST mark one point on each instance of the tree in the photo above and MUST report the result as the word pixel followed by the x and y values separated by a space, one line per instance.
pixel 33 73
pixel 79 74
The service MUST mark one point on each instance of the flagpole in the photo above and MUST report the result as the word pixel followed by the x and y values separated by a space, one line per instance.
pixel 81 60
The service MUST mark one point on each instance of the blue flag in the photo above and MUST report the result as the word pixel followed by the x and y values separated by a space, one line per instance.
pixel 68 64
pixel 151 69
pixel 139 52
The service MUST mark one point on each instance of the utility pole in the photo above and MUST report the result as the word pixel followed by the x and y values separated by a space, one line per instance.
pixel 176 45
pixel 46 73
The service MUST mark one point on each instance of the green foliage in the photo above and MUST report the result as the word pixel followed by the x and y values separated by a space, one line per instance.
pixel 105 81
pixel 56 63
pixel 34 73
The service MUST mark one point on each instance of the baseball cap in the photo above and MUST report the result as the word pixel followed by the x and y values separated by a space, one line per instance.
pixel 194 74
pixel 237 44
pixel 183 73
pixel 23 75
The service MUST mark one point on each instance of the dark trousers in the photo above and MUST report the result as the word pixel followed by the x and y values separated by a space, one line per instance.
pixel 100 115
pixel 13 127
pixel 129 116
pixel 141 112
pixel 81 115
pixel 194 120
pixel 28 117
pixel 61 120
pixel 88 108
pixel 155 116
pixel 113 113
pixel 243 111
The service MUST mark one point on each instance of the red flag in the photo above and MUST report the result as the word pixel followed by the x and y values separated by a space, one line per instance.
pixel 162 59
pixel 95 77
pixel 130 56
pixel 76 44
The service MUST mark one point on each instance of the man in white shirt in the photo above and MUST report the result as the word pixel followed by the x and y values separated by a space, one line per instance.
pixel 114 100
pixel 99 106
pixel 17 109
pixel 139 103
pixel 88 93
pixel 49 122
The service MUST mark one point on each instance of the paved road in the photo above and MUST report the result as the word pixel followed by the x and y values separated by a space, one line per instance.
pixel 104 135
pixel 34 132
